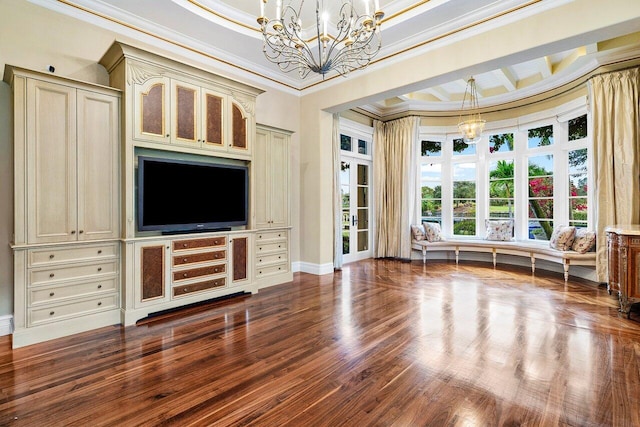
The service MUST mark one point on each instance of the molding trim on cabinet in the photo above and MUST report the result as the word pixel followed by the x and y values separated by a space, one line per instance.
pixel 139 75
pixel 6 325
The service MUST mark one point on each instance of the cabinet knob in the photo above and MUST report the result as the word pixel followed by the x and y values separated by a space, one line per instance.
pixel 100 251
pixel 185 290
pixel 215 270
pixel 51 275
pixel 184 259
pixel 73 231
pixel 51 294
pixel 99 268
pixel 99 303
pixel 184 245
pixel 51 313
pixel 51 256
pixel 81 231
pixel 167 135
pixel 184 275
pixel 99 286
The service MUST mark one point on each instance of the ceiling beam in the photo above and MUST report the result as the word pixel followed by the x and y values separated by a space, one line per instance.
pixel 545 66
pixel 506 78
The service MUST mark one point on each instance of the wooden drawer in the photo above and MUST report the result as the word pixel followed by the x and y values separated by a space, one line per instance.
pixel 272 269
pixel 211 242
pixel 41 295
pixel 46 276
pixel 199 272
pixel 200 286
pixel 74 309
pixel 270 235
pixel 39 257
pixel 271 259
pixel 199 258
pixel 264 248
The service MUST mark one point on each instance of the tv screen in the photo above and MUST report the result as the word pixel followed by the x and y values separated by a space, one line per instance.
pixel 178 195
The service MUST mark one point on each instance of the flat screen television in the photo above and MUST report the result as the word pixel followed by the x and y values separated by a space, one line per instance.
pixel 185 196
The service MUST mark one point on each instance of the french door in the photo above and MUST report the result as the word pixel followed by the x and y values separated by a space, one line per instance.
pixel 355 179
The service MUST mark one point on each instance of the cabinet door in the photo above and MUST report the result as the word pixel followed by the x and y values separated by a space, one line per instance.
pixel 98 130
pixel 239 130
pixel 262 176
pixel 151 111
pixel 152 272
pixel 240 256
pixel 185 114
pixel 51 162
pixel 279 172
pixel 213 129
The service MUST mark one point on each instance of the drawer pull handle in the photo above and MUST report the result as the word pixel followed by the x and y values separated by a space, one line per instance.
pixel 259 260
pixel 51 313
pixel 99 268
pixel 100 251
pixel 184 245
pixel 51 275
pixel 279 246
pixel 185 275
pixel 185 290
pixel 260 237
pixel 100 303
pixel 73 231
pixel 51 294
pixel 279 257
pixel 260 249
pixel 279 235
pixel 184 259
pixel 51 256
pixel 81 231
pixel 99 286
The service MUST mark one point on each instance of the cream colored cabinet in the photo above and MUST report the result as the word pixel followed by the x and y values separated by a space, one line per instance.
pixel 271 169
pixel 66 198
pixel 172 111
pixel 71 163
pixel 187 269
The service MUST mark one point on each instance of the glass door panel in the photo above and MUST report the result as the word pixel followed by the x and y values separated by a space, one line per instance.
pixel 356 212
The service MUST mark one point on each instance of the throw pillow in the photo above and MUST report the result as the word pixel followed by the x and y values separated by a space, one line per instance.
pixel 499 229
pixel 562 237
pixel 432 231
pixel 584 241
pixel 417 231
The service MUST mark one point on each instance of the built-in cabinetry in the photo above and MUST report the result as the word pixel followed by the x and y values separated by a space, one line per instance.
pixel 623 251
pixel 178 270
pixel 66 215
pixel 271 168
pixel 176 111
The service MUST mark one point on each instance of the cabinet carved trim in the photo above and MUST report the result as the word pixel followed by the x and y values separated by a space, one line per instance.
pixel 139 75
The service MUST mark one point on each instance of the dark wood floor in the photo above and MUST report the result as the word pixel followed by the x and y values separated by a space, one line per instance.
pixel 381 343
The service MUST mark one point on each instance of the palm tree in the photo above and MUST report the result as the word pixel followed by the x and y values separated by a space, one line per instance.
pixel 501 182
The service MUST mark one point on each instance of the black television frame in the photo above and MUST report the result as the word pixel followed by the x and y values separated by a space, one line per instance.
pixel 193 227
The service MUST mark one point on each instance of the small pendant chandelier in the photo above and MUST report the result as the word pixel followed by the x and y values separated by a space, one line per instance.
pixel 343 43
pixel 472 126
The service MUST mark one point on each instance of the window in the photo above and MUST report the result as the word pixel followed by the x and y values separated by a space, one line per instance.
pixel 540 197
pixel 501 189
pixel 431 190
pixel 535 175
pixel 345 142
pixel 464 199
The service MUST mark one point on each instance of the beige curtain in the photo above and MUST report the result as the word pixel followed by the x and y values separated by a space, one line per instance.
pixel 395 183
pixel 616 136
pixel 337 196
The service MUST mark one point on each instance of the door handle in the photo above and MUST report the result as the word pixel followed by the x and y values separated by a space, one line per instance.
pixel 354 220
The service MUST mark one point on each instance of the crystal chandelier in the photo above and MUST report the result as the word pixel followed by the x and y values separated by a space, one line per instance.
pixel 348 45
pixel 472 126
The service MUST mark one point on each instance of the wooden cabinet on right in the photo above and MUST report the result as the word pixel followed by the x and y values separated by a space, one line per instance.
pixel 623 247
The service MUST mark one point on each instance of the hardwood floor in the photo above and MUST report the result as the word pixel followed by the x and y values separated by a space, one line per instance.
pixel 381 343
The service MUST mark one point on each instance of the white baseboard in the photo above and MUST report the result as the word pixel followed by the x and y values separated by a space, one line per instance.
pixel 317 269
pixel 6 325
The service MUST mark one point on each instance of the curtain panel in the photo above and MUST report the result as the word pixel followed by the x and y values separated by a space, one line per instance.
pixel 395 182
pixel 615 108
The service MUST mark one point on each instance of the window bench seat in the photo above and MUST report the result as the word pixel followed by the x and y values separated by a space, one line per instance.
pixel 519 248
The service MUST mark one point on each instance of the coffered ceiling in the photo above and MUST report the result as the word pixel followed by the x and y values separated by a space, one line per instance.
pixel 228 31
